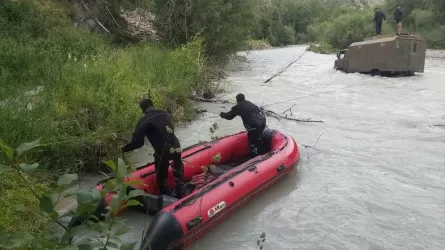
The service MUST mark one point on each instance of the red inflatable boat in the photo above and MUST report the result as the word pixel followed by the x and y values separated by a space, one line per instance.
pixel 212 195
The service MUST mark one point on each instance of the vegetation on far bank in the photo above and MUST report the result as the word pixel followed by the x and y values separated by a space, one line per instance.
pixel 336 24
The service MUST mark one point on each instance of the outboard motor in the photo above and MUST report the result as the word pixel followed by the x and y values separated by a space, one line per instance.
pixel 163 230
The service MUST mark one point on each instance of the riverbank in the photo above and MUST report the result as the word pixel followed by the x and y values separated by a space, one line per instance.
pixel 79 92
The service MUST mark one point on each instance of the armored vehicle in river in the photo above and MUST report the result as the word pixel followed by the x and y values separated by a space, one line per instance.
pixel 387 55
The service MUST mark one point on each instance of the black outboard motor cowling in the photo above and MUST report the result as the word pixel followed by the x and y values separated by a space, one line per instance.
pixel 163 230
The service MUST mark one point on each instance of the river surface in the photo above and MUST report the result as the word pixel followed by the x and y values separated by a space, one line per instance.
pixel 373 176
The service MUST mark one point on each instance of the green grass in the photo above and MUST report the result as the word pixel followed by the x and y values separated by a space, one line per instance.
pixel 254 44
pixel 90 89
pixel 14 198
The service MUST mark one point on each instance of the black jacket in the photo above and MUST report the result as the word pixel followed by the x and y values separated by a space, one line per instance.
pixel 398 15
pixel 154 125
pixel 379 16
pixel 249 112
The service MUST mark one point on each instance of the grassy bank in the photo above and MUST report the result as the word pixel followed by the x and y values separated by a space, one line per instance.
pixel 87 88
pixel 79 93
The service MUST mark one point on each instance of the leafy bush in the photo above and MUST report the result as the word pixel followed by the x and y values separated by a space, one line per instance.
pixel 423 17
pixel 224 24
pixel 322 48
pixel 103 234
pixel 257 44
pixel 339 23
pixel 77 91
pixel 14 198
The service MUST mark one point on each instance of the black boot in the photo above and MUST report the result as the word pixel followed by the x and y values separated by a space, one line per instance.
pixel 253 151
pixel 179 191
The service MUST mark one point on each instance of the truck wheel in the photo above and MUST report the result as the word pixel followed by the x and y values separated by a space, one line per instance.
pixel 375 72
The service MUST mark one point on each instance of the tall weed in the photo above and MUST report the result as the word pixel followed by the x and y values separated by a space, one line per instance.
pixel 76 90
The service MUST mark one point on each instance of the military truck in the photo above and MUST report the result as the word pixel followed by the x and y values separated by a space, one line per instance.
pixel 388 55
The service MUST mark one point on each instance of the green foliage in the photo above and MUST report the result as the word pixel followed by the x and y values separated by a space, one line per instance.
pixel 14 198
pixel 338 23
pixel 346 29
pixel 78 92
pixel 223 24
pixel 257 44
pixel 24 224
pixel 423 17
pixel 322 48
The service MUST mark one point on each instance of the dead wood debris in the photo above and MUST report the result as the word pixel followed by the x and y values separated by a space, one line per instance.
pixel 265 111
pixel 202 99
pixel 279 117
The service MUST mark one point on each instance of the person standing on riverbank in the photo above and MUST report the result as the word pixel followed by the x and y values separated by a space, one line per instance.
pixel 254 121
pixel 379 16
pixel 158 127
pixel 398 16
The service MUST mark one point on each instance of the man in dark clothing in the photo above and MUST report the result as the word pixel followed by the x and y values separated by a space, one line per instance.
pixel 254 121
pixel 398 16
pixel 379 16
pixel 158 127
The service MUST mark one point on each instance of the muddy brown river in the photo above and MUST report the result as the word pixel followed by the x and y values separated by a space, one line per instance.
pixel 372 176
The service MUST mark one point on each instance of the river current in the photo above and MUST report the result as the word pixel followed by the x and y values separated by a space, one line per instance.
pixel 372 176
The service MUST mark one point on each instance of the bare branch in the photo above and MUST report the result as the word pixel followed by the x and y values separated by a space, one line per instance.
pixel 279 117
pixel 289 109
pixel 307 146
pixel 106 6
pixel 281 71
pixel 318 139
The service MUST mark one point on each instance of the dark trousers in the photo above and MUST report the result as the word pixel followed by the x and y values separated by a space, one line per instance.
pixel 254 137
pixel 378 27
pixel 161 167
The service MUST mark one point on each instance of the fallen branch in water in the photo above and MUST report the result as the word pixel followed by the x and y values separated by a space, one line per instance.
pixel 279 117
pixel 318 139
pixel 439 125
pixel 313 147
pixel 200 111
pixel 281 71
pixel 289 109
pixel 307 146
pixel 201 99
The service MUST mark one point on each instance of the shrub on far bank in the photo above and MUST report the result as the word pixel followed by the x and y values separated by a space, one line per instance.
pixel 322 48
pixel 258 44
pixel 346 29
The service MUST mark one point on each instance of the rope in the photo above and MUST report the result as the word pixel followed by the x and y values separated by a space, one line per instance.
pixel 319 93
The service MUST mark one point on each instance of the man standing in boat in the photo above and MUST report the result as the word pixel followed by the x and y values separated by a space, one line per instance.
pixel 398 16
pixel 158 127
pixel 379 16
pixel 254 121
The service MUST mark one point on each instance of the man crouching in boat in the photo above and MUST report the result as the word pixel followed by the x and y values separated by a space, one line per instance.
pixel 158 127
pixel 254 121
